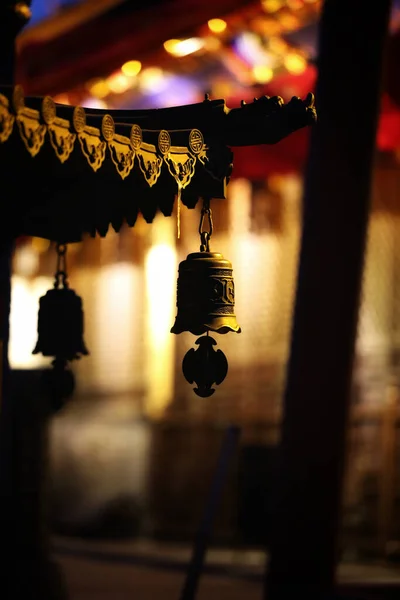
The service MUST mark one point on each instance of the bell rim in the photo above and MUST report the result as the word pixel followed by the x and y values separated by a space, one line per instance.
pixel 204 328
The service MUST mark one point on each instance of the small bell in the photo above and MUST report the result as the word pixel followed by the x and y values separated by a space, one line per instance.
pixel 205 302
pixel 60 322
pixel 60 325
pixel 60 331
pixel 205 295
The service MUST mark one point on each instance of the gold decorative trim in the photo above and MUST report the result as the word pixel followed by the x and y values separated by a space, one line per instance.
pixel 93 147
pixel 136 137
pixel 181 165
pixel 196 141
pixel 122 154
pixel 164 141
pixel 108 128
pixel 79 119
pixel 49 110
pixel 6 119
pixel 61 139
pixel 126 151
pixel 31 130
pixel 149 163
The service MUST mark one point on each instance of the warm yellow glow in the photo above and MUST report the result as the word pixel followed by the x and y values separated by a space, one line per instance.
pixel 288 21
pixel 25 260
pixel 217 25
pixel 160 265
pixel 295 4
pixel 272 6
pixel 262 73
pixel 91 102
pixel 152 79
pixel 131 68
pixel 266 27
pixel 99 88
pixel 277 45
pixel 61 99
pixel 112 323
pixel 170 45
pixel 118 83
pixel 222 88
pixel 25 294
pixel 212 43
pixel 40 244
pixel 183 47
pixel 295 63
pixel 161 273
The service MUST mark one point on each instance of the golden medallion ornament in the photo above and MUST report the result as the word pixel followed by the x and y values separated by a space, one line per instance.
pixel 79 119
pixel 136 137
pixel 108 128
pixel 164 141
pixel 196 141
pixel 205 302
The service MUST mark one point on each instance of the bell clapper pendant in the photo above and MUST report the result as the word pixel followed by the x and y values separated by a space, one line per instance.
pixel 60 332
pixel 205 302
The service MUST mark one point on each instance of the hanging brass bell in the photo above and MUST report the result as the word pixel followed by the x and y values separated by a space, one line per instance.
pixel 205 295
pixel 60 325
pixel 60 320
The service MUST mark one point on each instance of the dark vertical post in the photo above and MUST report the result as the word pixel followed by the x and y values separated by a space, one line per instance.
pixel 303 549
pixel 13 16
pixel 26 571
pixel 202 540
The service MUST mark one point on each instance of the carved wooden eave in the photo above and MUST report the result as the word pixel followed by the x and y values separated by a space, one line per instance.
pixel 68 170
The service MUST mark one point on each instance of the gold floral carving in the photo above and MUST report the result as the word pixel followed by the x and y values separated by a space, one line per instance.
pixel 6 119
pixel 149 162
pixel 32 131
pixel 92 146
pixel 33 125
pixel 122 154
pixel 61 139
pixel 181 165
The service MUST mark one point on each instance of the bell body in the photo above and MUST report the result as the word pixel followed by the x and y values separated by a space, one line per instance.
pixel 60 325
pixel 205 295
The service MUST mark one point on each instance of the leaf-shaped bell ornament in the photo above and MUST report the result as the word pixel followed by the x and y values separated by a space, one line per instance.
pixel 205 302
pixel 60 330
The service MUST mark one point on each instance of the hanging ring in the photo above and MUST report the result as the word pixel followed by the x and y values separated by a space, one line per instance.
pixel 205 212
pixel 204 234
pixel 61 272
pixel 205 241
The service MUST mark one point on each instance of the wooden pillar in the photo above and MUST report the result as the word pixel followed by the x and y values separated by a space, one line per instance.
pixel 26 570
pixel 11 21
pixel 303 549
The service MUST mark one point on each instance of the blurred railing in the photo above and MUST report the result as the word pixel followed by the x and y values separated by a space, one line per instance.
pixel 371 495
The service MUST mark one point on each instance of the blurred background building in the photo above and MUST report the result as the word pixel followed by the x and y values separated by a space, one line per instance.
pixel 132 453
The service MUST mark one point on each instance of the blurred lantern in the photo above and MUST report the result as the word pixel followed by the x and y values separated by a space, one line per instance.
pixel 205 302
pixel 60 332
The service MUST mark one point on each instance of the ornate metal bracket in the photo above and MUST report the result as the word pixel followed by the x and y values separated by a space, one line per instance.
pixel 160 153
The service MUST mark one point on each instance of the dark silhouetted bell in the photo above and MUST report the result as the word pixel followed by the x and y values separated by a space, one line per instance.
pixel 205 295
pixel 60 325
